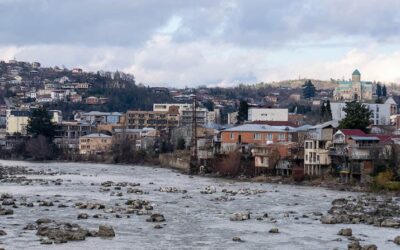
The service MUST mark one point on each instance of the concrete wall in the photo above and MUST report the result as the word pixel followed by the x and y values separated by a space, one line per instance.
pixel 177 160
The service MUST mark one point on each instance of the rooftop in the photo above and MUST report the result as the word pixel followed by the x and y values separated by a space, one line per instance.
pixel 96 135
pixel 259 128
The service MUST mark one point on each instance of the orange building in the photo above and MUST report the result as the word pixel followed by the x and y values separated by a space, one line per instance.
pixel 254 134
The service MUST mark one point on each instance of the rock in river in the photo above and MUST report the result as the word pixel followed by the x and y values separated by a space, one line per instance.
pixel 345 232
pixel 106 231
pixel 239 216
pixel 156 218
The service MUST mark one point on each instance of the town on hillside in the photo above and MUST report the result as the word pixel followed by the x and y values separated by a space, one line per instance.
pixel 346 131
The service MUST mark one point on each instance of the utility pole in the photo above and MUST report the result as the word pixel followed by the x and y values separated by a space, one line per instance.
pixel 193 156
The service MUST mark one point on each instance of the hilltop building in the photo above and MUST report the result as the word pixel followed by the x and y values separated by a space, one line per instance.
pixel 353 90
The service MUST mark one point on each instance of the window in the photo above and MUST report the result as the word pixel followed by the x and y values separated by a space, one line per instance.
pixel 257 136
pixel 269 137
pixel 232 136
pixel 281 136
pixel 317 158
pixel 306 157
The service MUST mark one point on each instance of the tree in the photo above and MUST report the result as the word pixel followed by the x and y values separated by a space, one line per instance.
pixel 384 93
pixel 180 144
pixel 326 113
pixel 357 116
pixel 209 105
pixel 39 148
pixel 40 124
pixel 308 89
pixel 243 111
pixel 379 90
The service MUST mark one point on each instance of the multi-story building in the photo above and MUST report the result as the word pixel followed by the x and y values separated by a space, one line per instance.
pixel 68 133
pixel 152 119
pixel 97 117
pixel 353 90
pixel 381 112
pixel 95 144
pixel 254 134
pixel 316 148
pixel 201 116
pixel 268 114
pixel 166 107
pixel 16 121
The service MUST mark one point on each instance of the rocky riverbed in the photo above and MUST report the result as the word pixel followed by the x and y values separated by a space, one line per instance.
pixel 99 206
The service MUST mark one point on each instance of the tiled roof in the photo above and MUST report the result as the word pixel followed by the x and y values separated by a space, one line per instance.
pixel 356 132
pixel 275 123
pixel 259 128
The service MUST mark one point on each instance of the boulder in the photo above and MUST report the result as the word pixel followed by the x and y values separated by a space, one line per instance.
pixel 345 232
pixel 30 226
pixel 274 230
pixel 328 219
pixel 397 240
pixel 8 202
pixel 390 223
pixel 106 231
pixel 156 218
pixel 2 232
pixel 4 211
pixel 46 241
pixel 354 246
pixel 369 247
pixel 83 216
pixel 237 239
pixel 43 221
pixel 239 216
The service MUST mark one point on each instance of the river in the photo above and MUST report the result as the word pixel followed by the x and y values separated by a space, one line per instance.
pixel 193 222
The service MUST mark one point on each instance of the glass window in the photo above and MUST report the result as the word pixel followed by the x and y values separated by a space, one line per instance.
pixel 257 136
pixel 232 136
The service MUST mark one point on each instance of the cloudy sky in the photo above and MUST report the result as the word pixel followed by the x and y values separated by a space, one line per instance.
pixel 211 42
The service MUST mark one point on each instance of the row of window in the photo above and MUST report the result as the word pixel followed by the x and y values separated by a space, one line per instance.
pixel 269 137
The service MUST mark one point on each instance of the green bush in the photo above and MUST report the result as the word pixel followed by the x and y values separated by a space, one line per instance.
pixel 393 185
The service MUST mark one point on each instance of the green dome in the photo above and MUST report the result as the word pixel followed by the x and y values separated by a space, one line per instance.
pixel 356 73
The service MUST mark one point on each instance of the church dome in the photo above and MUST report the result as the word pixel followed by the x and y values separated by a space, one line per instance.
pixel 356 73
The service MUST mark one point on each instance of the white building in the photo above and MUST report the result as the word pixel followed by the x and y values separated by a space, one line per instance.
pixel 165 107
pixel 381 112
pixel 16 121
pixel 232 118
pixel 268 114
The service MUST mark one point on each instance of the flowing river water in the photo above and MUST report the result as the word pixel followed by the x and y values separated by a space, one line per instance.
pixel 193 220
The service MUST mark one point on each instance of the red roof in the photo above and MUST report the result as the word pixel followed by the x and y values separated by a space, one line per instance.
pixel 276 123
pixel 356 132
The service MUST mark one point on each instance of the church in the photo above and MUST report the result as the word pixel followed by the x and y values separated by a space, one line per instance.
pixel 353 90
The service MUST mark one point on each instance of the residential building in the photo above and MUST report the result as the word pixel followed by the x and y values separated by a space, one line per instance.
pixel 69 132
pixel 232 118
pixel 354 152
pixel 316 148
pixel 254 134
pixel 95 144
pixel 16 121
pixel 381 112
pixel 353 90
pixel 152 119
pixel 97 117
pixel 187 116
pixel 166 107
pixel 268 114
